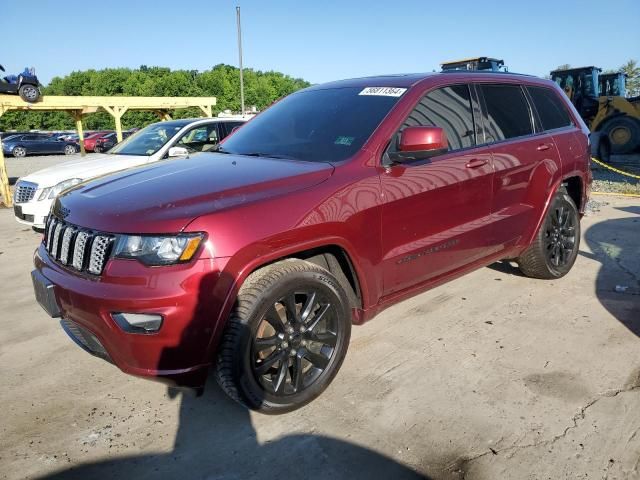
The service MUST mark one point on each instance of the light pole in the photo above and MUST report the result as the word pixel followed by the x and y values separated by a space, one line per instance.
pixel 240 55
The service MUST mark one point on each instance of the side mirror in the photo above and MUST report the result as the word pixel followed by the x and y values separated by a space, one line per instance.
pixel 178 152
pixel 418 143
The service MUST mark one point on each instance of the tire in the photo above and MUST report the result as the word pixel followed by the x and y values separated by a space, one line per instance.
pixel 546 258
pixel 623 133
pixel 97 149
pixel 604 150
pixel 264 344
pixel 19 152
pixel 70 150
pixel 29 93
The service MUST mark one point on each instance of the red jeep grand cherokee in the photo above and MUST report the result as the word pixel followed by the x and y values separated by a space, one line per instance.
pixel 330 206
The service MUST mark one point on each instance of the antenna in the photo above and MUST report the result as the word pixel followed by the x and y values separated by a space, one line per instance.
pixel 240 55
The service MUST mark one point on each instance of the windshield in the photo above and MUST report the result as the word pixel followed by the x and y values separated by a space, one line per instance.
pixel 148 140
pixel 315 125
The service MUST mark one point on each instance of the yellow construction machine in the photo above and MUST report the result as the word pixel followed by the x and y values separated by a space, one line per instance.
pixel 601 101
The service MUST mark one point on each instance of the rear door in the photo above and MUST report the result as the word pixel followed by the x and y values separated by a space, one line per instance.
pixel 556 120
pixel 518 148
pixel 435 216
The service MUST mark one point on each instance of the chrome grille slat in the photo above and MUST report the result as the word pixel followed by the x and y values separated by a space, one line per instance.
pixel 25 191
pixel 98 254
pixel 79 249
pixel 48 232
pixel 66 243
pixel 56 238
pixel 82 249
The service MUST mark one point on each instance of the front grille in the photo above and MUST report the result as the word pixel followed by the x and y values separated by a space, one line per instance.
pixel 24 192
pixel 83 249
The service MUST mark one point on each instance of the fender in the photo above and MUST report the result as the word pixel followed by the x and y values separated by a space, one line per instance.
pixel 547 204
pixel 544 182
pixel 237 275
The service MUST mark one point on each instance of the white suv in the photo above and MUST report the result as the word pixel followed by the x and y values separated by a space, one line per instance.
pixel 34 193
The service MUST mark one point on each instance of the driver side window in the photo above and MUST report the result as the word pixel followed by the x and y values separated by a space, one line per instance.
pixel 200 139
pixel 450 109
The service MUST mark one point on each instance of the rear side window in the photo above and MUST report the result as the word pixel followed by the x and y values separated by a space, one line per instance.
pixel 508 114
pixel 552 112
pixel 450 109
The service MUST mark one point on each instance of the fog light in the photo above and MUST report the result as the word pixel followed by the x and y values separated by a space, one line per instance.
pixel 138 322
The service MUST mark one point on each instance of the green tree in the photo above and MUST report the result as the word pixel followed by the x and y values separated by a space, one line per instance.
pixel 221 81
pixel 632 70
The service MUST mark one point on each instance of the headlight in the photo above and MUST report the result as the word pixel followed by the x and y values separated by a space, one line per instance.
pixel 156 250
pixel 52 192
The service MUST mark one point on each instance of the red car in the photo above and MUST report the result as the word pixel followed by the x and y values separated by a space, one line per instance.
pixel 335 203
pixel 90 140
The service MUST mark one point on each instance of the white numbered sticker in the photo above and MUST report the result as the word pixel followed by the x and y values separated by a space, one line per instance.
pixel 383 91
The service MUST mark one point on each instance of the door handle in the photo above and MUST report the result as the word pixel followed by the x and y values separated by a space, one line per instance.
pixel 476 162
pixel 543 147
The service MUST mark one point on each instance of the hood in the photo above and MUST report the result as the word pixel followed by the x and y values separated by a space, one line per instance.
pixel 164 197
pixel 100 164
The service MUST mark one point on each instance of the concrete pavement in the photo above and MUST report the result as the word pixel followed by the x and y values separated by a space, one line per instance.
pixel 492 376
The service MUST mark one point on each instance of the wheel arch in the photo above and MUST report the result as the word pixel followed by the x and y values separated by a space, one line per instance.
pixel 331 253
pixel 575 188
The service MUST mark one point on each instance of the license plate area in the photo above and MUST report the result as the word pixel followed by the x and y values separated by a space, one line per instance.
pixel 45 294
pixel 17 211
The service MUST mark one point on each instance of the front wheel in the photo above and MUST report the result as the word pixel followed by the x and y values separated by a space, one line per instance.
pixel 69 150
pixel 555 248
pixel 19 152
pixel 29 93
pixel 286 338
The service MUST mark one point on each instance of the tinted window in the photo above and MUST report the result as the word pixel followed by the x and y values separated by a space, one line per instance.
pixel 448 108
pixel 550 108
pixel 321 125
pixel 508 114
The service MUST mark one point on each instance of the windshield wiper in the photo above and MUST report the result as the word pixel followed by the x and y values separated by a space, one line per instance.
pixel 268 155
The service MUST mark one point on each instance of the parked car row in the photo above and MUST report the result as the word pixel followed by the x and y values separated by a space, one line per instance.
pixel 332 205
pixel 36 144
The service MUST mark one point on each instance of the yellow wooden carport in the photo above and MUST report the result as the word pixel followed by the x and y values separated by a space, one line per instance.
pixel 77 107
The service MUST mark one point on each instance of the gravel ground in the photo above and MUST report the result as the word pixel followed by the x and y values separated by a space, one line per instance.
pixel 611 182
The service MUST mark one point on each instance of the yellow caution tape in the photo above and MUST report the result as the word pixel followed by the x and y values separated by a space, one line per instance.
pixel 609 167
pixel 636 195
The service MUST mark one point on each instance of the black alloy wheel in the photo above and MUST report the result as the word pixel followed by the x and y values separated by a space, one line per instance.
pixel 286 337
pixel 294 342
pixel 555 247
pixel 560 235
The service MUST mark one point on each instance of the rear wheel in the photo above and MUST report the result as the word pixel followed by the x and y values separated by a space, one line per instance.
pixel 555 248
pixel 69 150
pixel 19 152
pixel 623 133
pixel 286 338
pixel 29 93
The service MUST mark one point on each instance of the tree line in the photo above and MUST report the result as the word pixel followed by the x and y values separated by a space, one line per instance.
pixel 222 81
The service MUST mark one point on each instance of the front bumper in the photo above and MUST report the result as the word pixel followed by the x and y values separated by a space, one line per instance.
pixel 179 353
pixel 32 213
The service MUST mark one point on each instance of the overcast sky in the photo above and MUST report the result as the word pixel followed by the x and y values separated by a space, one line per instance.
pixel 316 40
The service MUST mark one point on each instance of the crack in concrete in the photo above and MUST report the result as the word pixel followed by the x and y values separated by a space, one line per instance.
pixel 460 464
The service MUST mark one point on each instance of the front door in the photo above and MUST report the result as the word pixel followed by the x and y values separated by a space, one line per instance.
pixel 436 214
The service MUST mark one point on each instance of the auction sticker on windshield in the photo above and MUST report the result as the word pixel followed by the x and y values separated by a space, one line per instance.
pixel 383 91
